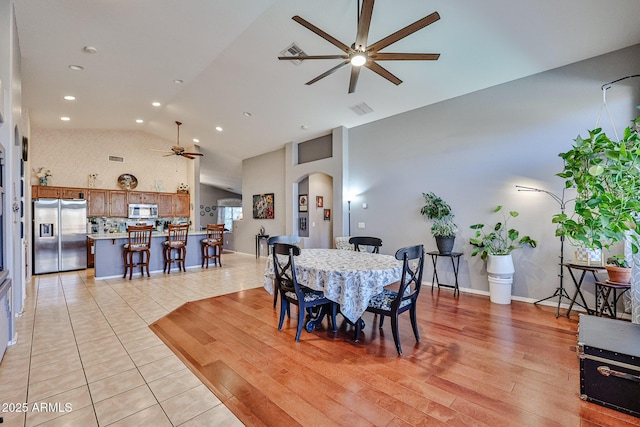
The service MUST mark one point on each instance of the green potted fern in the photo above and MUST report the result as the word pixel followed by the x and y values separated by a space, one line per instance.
pixel 443 229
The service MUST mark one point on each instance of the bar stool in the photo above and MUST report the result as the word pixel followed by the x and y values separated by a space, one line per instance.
pixel 213 241
pixel 176 240
pixel 139 242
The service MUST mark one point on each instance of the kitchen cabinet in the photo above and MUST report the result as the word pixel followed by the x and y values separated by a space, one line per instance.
pixel 181 204
pixel 46 192
pixel 141 197
pixel 72 193
pixel 118 206
pixel 91 250
pixel 165 204
pixel 98 203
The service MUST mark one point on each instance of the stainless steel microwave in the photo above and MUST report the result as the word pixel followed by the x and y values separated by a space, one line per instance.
pixel 142 211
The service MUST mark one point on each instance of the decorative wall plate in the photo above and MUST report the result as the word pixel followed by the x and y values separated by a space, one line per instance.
pixel 127 181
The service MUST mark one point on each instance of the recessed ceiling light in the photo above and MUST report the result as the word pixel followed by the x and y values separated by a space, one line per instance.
pixel 70 98
pixel 247 114
pixel 139 121
pixel 76 67
pixel 178 81
pixel 304 127
pixel 89 49
pixel 156 104
pixel 65 118
pixel 196 140
pixel 218 128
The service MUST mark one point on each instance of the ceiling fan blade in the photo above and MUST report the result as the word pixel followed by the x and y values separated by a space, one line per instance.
pixel 193 154
pixel 364 22
pixel 355 73
pixel 187 156
pixel 376 68
pixel 404 32
pixel 329 72
pixel 169 155
pixel 303 57
pixel 322 34
pixel 383 56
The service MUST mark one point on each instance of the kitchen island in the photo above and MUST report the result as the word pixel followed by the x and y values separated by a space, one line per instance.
pixel 108 253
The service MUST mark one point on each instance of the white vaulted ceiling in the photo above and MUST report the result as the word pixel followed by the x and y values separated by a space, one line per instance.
pixel 226 52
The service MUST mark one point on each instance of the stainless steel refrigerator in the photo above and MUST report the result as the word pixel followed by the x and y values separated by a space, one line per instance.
pixel 59 235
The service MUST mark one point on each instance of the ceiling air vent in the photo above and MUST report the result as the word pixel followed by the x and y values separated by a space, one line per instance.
pixel 361 109
pixel 293 50
pixel 116 159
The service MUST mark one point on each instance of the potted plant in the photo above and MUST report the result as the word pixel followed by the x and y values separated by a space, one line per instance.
pixel 618 269
pixel 443 228
pixel 495 247
pixel 606 176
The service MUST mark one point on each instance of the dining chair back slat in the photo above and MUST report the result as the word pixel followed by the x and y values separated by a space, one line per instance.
pixel 288 239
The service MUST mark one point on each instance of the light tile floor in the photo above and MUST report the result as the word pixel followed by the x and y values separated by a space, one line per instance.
pixel 86 357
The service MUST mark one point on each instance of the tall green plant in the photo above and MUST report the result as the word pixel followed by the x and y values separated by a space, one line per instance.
pixel 606 176
pixel 501 240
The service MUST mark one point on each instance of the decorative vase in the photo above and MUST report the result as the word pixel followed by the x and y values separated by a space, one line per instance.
pixel 500 270
pixel 445 244
pixel 43 181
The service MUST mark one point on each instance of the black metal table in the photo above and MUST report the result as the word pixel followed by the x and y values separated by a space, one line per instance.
pixel 603 291
pixel 584 269
pixel 258 238
pixel 455 263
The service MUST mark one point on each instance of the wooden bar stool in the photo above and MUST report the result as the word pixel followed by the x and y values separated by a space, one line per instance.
pixel 176 240
pixel 213 241
pixel 139 242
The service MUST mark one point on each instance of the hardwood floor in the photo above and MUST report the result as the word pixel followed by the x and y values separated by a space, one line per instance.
pixel 477 364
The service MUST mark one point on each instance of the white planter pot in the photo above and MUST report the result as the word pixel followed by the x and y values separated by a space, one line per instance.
pixel 500 270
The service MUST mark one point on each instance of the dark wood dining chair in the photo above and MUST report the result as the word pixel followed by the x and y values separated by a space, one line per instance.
pixel 138 242
pixel 370 244
pixel 177 237
pixel 392 303
pixel 290 240
pixel 291 292
pixel 213 242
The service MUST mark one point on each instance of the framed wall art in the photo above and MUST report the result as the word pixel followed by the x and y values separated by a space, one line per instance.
pixel 319 201
pixel 303 203
pixel 327 214
pixel 263 206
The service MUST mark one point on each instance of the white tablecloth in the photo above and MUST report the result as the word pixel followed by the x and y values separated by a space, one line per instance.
pixel 347 277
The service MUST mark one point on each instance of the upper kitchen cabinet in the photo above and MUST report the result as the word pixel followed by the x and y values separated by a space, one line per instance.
pixel 181 205
pixel 47 192
pixel 118 206
pixel 165 204
pixel 72 193
pixel 98 203
pixel 141 197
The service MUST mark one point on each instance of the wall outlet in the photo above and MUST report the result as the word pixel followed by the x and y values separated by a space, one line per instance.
pixel 361 225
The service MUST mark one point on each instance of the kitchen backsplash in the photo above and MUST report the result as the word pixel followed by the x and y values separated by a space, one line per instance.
pixel 100 225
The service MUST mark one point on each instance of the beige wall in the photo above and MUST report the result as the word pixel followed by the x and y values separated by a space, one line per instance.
pixel 72 155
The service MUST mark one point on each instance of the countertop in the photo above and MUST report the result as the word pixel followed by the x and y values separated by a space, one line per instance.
pixel 98 236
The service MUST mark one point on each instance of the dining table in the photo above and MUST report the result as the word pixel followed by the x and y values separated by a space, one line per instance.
pixel 349 278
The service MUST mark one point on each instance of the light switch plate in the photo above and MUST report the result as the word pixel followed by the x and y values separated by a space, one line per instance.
pixel 361 225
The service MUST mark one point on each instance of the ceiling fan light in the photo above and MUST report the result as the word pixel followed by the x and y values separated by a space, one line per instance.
pixel 358 59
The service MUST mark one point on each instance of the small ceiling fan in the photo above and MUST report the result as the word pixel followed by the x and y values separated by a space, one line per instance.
pixel 178 150
pixel 359 54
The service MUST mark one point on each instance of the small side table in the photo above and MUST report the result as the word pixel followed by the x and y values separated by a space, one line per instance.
pixel 578 282
pixel 455 263
pixel 603 291
pixel 258 238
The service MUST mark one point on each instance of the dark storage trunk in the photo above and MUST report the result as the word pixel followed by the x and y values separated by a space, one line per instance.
pixel 609 352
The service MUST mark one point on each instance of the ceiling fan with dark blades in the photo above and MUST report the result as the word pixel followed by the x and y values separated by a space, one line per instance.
pixel 359 54
pixel 178 150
